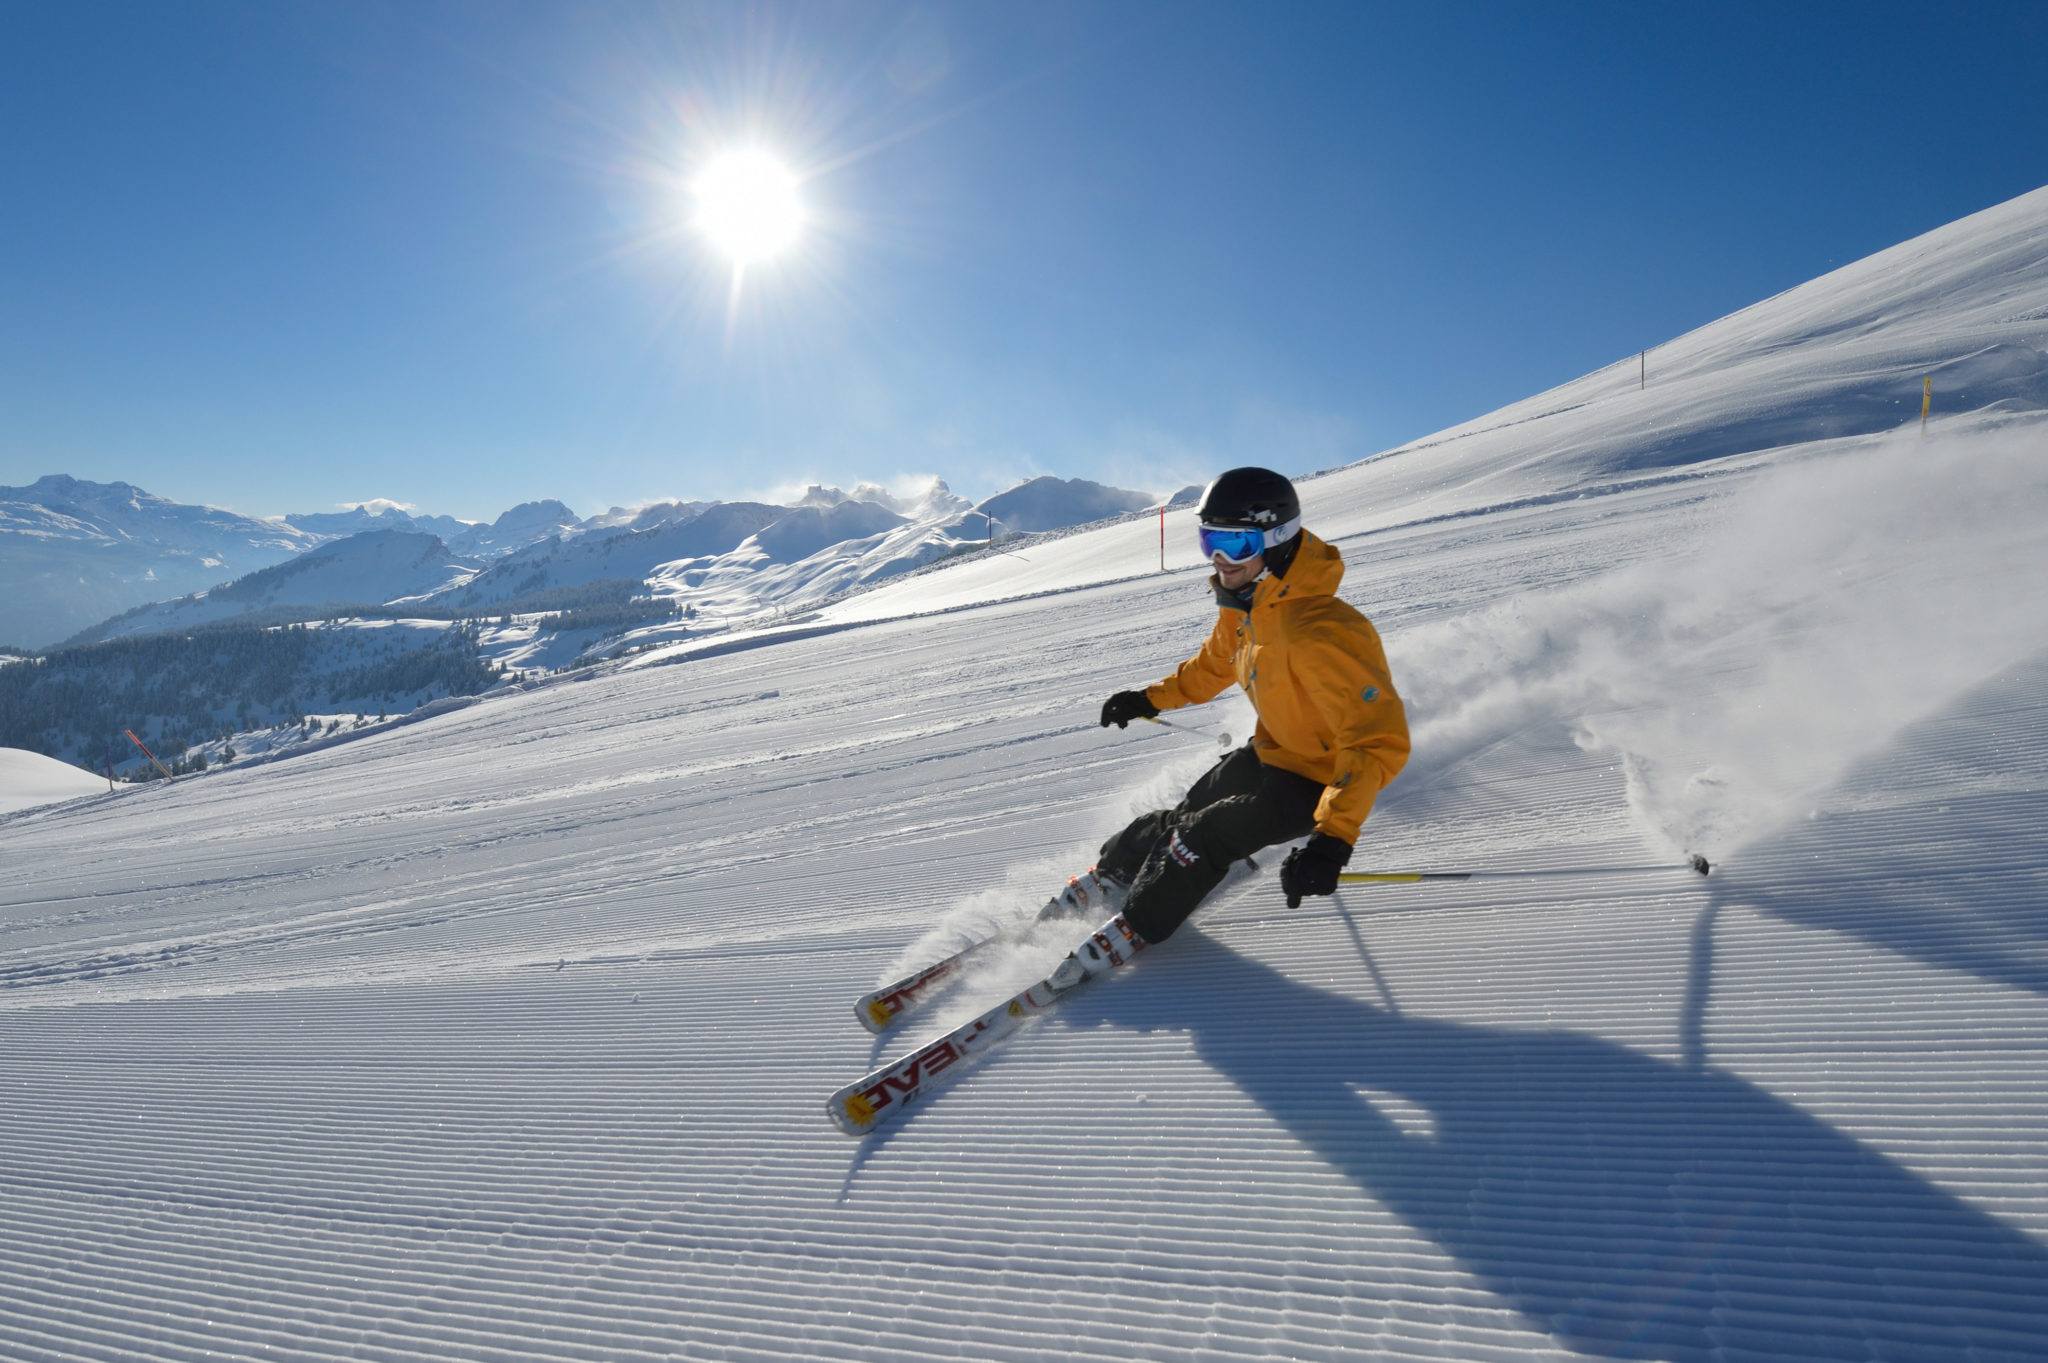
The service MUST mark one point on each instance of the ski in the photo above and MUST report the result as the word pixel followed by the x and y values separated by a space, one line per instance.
pixel 879 1010
pixel 871 1100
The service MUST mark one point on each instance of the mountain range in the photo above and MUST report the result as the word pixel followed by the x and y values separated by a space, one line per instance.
pixel 93 561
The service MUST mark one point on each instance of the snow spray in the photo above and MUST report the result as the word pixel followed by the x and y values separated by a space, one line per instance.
pixel 1831 602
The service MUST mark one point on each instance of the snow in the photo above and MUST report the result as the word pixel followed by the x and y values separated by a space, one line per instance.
pixel 506 1033
pixel 29 779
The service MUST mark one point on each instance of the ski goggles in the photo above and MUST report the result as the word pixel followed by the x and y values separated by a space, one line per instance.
pixel 1241 543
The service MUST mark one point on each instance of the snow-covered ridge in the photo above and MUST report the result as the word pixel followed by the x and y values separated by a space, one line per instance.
pixel 365 568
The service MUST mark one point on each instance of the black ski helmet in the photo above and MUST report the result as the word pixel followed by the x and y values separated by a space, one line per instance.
pixel 1257 497
pixel 1254 497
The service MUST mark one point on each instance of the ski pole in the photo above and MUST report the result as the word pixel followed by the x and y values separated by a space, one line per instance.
pixel 1222 739
pixel 1696 863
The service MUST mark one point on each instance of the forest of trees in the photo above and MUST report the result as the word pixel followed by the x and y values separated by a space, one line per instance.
pixel 176 690
pixel 275 666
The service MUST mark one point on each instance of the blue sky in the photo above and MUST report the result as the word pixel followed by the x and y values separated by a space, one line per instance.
pixel 277 257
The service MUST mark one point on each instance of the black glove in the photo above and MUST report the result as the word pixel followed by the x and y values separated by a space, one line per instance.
pixel 1125 706
pixel 1311 868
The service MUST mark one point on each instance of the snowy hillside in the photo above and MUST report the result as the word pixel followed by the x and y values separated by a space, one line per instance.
pixel 371 567
pixel 506 1033
pixel 29 779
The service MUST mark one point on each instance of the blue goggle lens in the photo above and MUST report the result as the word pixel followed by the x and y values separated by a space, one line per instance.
pixel 1235 542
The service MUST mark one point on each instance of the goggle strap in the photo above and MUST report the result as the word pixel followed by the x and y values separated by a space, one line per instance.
pixel 1280 534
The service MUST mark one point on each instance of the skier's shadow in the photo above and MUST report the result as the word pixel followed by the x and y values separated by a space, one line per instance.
pixel 1629 1207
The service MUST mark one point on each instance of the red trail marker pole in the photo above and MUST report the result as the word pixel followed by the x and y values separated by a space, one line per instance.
pixel 147 753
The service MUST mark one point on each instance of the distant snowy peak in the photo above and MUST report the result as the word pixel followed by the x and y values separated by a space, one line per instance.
pixel 611 554
pixel 645 517
pixel 123 513
pixel 375 566
pixel 1057 503
pixel 832 543
pixel 817 494
pixel 933 501
pixel 527 523
pixel 357 519
pixel 937 502
pixel 74 552
pixel 806 530
pixel 369 569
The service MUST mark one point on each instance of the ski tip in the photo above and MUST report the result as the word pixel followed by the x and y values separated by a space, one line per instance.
pixel 851 1112
pixel 1699 863
pixel 874 1014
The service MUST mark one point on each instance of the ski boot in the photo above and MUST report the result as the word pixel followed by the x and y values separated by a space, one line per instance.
pixel 1109 946
pixel 1093 891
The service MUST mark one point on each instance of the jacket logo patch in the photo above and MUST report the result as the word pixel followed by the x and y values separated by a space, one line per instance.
pixel 1369 694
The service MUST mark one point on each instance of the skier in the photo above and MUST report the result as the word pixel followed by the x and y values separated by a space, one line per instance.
pixel 1331 731
pixel 1331 734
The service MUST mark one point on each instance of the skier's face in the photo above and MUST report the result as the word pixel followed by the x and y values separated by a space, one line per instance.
pixel 1237 576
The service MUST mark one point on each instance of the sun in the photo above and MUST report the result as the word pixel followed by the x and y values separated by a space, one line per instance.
pixel 749 206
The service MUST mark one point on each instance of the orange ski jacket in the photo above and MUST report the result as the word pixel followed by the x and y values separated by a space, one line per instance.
pixel 1317 675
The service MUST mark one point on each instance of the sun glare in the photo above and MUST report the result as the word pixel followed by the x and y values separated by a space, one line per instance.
pixel 748 206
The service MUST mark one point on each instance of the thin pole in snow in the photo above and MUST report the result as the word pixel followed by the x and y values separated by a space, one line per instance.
pixel 1222 739
pixel 1162 537
pixel 1926 401
pixel 1696 863
pixel 147 753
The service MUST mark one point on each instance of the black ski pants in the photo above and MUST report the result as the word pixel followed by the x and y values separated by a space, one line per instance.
pixel 1237 807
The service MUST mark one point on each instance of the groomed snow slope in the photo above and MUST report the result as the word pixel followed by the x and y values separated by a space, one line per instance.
pixel 506 1034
